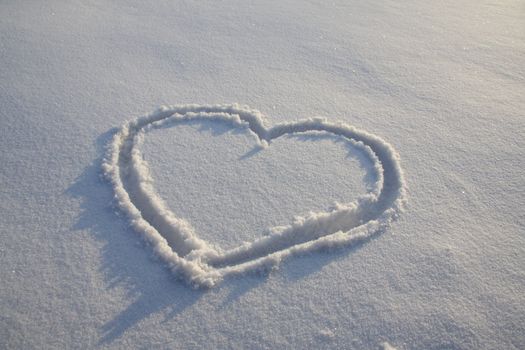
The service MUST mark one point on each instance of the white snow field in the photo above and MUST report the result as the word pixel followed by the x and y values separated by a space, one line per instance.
pixel 262 175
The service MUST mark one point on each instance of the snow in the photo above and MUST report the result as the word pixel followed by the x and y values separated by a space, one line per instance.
pixel 441 82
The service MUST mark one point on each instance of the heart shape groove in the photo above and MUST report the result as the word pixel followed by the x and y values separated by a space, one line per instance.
pixel 197 261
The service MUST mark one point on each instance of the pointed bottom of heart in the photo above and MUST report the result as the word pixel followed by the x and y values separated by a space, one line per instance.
pixel 177 244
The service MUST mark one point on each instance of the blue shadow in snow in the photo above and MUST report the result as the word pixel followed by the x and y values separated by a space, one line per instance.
pixel 126 260
pixel 128 263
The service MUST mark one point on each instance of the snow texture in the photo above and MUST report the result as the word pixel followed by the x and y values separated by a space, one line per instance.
pixel 386 346
pixel 441 81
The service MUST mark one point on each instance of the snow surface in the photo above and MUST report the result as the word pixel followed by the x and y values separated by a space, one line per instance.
pixel 442 82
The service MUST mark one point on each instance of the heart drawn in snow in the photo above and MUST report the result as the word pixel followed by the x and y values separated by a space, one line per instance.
pixel 175 241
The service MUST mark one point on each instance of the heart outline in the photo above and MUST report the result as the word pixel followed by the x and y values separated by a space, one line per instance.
pixel 177 244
